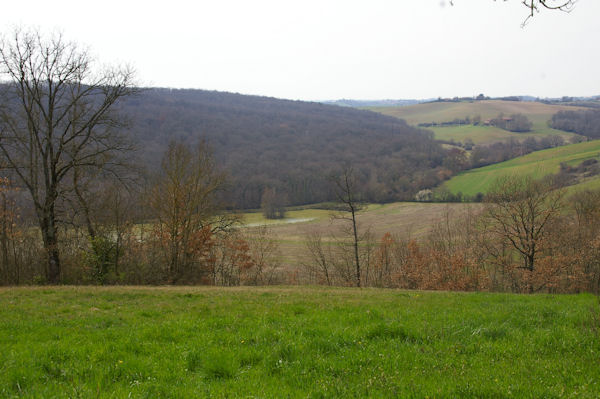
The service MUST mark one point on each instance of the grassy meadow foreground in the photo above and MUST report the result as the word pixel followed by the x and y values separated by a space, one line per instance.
pixel 294 342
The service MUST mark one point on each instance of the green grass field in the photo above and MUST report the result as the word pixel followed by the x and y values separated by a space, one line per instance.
pixel 447 111
pixel 313 213
pixel 491 134
pixel 537 164
pixel 293 216
pixel 538 113
pixel 185 342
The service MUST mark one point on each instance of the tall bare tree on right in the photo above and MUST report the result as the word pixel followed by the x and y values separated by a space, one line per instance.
pixel 520 211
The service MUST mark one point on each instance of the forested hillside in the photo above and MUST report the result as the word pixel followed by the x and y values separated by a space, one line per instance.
pixel 290 146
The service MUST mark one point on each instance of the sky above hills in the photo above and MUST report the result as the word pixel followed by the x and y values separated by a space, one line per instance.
pixel 321 50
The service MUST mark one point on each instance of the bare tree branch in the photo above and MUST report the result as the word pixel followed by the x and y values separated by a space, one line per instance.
pixel 534 6
pixel 57 121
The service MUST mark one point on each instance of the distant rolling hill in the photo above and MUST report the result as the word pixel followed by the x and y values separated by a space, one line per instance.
pixel 538 113
pixel 537 164
pixel 291 146
pixel 446 111
pixel 373 103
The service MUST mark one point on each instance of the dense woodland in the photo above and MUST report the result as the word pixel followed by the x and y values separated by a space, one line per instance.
pixel 518 123
pixel 585 123
pixel 294 147
pixel 289 146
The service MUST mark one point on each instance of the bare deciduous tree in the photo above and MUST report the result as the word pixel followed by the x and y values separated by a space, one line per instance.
pixel 56 117
pixel 273 204
pixel 347 194
pixel 184 202
pixel 320 259
pixel 263 251
pixel 520 210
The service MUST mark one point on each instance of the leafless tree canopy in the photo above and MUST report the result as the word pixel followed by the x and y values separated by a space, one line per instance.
pixel 534 6
pixel 521 210
pixel 561 5
pixel 57 122
pixel 345 186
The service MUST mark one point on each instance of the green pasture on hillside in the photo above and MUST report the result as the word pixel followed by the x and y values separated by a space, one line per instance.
pixel 492 134
pixel 537 165
pixel 304 342
pixel 538 113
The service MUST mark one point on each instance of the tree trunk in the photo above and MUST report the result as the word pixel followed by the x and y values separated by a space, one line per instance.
pixel 84 206
pixel 50 237
pixel 53 261
pixel 530 261
pixel 356 258
pixel 4 271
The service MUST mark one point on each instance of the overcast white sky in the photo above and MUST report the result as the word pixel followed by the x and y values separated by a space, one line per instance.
pixel 331 49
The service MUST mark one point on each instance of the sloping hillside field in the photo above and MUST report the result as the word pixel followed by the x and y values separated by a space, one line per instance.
pixel 491 134
pixel 294 342
pixel 538 114
pixel 447 111
pixel 537 164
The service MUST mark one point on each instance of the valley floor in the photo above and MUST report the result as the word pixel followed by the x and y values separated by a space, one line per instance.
pixel 403 219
